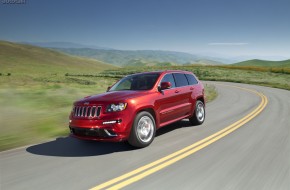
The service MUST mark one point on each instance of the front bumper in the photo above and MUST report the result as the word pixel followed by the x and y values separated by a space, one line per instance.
pixel 96 134
pixel 111 130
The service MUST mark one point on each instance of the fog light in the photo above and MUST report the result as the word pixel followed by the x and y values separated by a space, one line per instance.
pixel 109 122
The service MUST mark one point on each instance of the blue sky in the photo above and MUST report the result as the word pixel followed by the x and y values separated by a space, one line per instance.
pixel 212 27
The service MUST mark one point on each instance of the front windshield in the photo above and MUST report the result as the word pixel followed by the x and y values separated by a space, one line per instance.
pixel 136 82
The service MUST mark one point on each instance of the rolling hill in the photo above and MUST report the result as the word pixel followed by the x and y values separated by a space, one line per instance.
pixel 263 63
pixel 20 58
pixel 129 57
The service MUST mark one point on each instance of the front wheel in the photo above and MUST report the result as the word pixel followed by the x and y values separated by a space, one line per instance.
pixel 143 130
pixel 199 114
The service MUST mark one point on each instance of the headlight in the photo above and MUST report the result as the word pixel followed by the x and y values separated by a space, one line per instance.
pixel 116 107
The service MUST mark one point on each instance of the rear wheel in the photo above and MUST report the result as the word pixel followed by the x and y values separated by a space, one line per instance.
pixel 143 130
pixel 199 114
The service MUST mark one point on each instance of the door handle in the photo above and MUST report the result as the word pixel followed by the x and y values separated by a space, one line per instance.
pixel 191 88
pixel 176 91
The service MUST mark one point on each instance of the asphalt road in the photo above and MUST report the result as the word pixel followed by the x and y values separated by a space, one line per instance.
pixel 255 156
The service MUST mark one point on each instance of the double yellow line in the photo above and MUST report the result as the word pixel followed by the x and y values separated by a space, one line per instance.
pixel 142 172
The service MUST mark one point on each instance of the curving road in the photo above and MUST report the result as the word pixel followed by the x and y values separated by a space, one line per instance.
pixel 254 156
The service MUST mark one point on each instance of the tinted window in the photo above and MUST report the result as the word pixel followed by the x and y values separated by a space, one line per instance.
pixel 180 79
pixel 191 79
pixel 169 78
pixel 136 82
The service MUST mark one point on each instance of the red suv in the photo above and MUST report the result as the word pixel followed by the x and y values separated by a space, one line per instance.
pixel 137 105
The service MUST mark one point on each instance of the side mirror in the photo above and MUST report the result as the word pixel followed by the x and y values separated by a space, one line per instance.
pixel 109 87
pixel 165 85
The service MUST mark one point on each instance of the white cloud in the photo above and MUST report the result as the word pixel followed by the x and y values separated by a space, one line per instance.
pixel 228 44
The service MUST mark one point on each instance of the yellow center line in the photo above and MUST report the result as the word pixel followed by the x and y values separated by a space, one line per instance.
pixel 176 156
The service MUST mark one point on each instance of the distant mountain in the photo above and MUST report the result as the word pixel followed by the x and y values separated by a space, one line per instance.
pixel 63 45
pixel 28 59
pixel 264 63
pixel 129 57
pixel 206 62
pixel 230 59
pixel 146 63
pixel 258 57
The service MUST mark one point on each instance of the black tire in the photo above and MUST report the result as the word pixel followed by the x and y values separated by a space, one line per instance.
pixel 144 123
pixel 198 116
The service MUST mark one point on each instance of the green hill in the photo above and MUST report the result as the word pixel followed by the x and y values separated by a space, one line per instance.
pixel 27 59
pixel 263 63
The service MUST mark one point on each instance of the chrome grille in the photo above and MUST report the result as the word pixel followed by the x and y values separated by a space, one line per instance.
pixel 87 111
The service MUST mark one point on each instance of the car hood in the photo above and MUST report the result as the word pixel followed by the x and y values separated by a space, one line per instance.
pixel 114 96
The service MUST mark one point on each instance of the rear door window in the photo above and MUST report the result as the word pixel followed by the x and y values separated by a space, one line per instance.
pixel 191 79
pixel 180 79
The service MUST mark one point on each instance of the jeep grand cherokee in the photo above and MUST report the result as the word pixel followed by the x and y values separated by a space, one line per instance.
pixel 137 105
